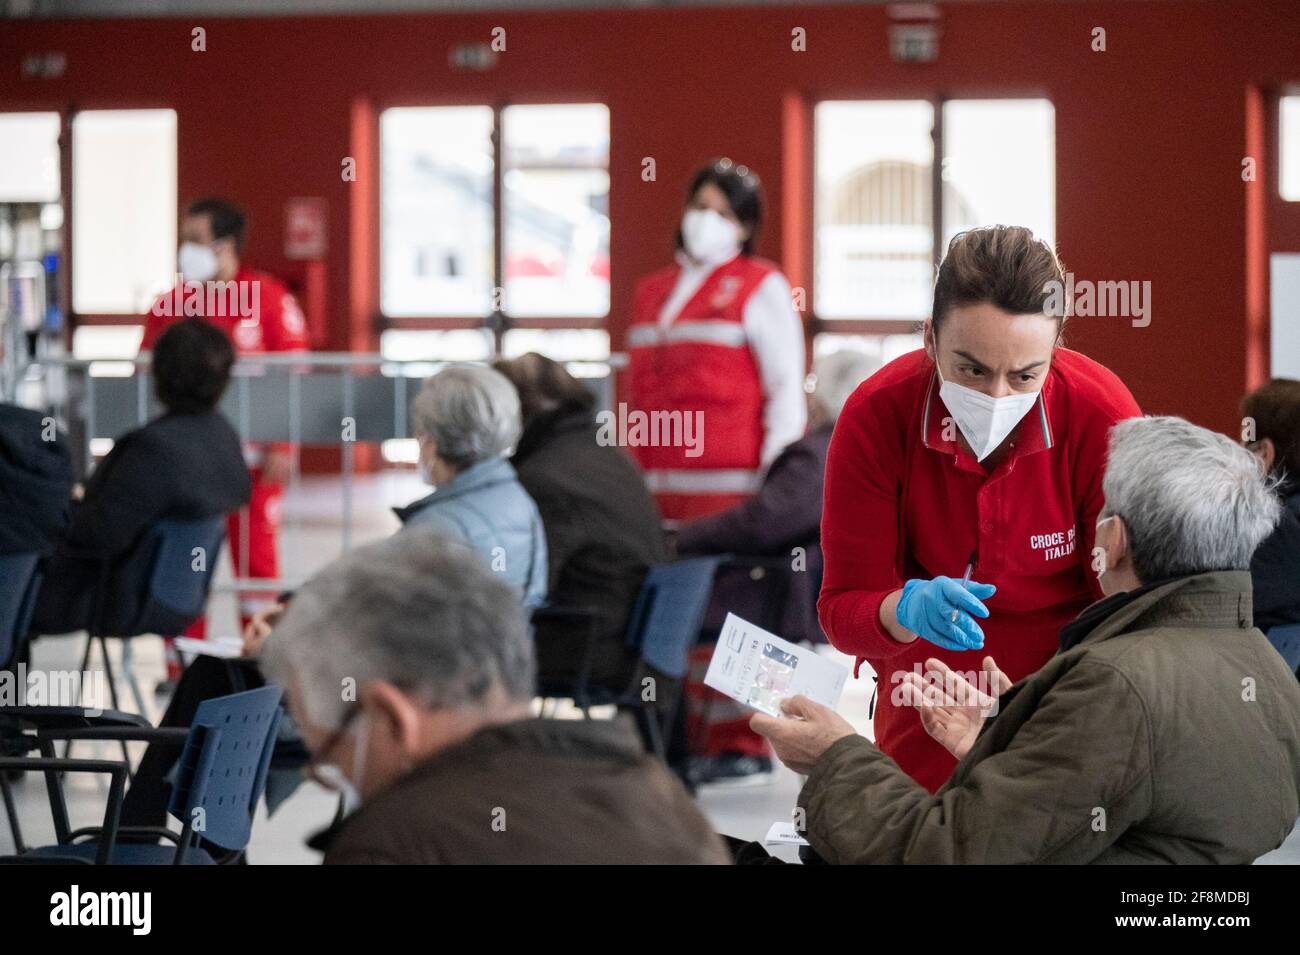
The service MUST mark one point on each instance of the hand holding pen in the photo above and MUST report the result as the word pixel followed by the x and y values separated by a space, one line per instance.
pixel 943 610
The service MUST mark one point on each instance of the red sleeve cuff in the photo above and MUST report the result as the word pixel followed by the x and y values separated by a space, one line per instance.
pixel 852 623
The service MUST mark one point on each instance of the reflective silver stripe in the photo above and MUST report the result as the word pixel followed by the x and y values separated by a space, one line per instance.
pixel 730 334
pixel 702 481
pixel 639 336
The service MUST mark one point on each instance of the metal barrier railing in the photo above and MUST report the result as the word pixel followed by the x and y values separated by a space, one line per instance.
pixel 306 399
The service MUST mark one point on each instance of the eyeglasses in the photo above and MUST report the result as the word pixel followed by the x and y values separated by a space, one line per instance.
pixel 319 757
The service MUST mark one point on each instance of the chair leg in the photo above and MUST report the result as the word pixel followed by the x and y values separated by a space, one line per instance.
pixel 653 733
pixel 128 670
pixel 112 692
pixel 108 672
pixel 12 812
pixel 85 656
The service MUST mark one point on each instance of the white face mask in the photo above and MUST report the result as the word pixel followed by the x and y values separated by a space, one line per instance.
pixel 709 237
pixel 984 421
pixel 1101 574
pixel 334 777
pixel 197 263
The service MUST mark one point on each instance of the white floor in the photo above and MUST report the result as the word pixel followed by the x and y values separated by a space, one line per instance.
pixel 312 537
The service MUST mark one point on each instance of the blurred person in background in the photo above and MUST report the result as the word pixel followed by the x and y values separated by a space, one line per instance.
pixel 185 464
pixel 715 339
pixel 1273 415
pixel 437 754
pixel 35 481
pixel 783 515
pixel 467 420
pixel 602 529
pixel 260 315
pixel 36 487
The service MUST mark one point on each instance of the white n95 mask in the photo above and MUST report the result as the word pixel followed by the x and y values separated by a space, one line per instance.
pixel 197 263
pixel 984 421
pixel 710 237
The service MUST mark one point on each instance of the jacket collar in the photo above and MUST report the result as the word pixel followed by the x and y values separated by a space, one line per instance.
pixel 548 425
pixel 602 740
pixel 1216 599
pixel 609 741
pixel 476 476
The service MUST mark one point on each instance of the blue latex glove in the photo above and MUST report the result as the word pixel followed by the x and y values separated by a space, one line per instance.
pixel 926 608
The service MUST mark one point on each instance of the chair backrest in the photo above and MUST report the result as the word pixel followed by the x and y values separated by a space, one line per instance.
pixel 222 769
pixel 180 557
pixel 19 582
pixel 669 610
pixel 174 581
pixel 1286 640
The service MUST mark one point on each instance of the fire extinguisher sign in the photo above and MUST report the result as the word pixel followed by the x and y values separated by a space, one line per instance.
pixel 304 228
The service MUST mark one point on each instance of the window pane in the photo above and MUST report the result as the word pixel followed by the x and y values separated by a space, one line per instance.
pixel 566 344
pixel 30 171
pixel 106 341
pixel 435 246
pixel 872 215
pixel 123 209
pixel 456 344
pixel 884 347
pixel 1000 165
pixel 1290 142
pixel 556 188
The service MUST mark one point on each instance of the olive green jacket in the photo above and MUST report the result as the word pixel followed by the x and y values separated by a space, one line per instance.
pixel 1170 733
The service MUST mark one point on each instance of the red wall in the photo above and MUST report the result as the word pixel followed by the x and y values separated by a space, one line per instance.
pixel 1150 135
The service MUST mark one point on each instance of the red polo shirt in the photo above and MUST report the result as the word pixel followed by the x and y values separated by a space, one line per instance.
pixel 903 500
pixel 257 311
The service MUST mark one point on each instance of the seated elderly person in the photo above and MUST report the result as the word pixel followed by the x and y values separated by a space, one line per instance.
pixel 432 734
pixel 602 528
pixel 186 464
pixel 1274 410
pixel 467 419
pixel 1166 728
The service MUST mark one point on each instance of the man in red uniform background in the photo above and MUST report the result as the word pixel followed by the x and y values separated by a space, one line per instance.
pixel 260 315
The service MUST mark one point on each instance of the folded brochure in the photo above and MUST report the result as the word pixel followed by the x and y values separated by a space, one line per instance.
pixel 760 669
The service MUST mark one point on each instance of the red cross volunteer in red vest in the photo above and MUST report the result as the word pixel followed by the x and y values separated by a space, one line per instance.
pixel 260 315
pixel 981 455
pixel 716 354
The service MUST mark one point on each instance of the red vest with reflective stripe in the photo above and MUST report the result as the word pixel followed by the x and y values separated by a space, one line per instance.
pixel 701 362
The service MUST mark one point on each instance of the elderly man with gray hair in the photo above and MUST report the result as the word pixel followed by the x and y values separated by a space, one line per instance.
pixel 1166 728
pixel 466 419
pixel 409 669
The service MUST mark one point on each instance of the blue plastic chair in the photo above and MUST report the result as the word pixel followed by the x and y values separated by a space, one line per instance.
pixel 1286 640
pixel 19 582
pixel 664 625
pixel 669 612
pixel 175 594
pixel 220 777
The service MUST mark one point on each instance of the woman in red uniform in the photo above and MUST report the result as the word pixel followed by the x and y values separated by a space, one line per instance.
pixel 985 448
pixel 715 343
pixel 716 348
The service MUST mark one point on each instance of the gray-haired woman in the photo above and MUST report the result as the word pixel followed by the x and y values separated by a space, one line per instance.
pixel 466 418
